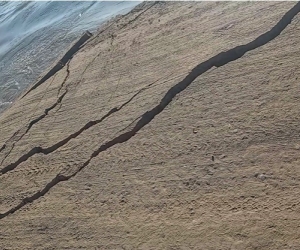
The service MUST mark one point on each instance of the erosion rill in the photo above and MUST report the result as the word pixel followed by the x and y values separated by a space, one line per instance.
pixel 63 61
pixel 175 127
pixel 217 61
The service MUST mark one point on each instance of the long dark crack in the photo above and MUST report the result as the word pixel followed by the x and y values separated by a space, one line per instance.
pixel 58 101
pixel 36 120
pixel 51 149
pixel 84 39
pixel 62 62
pixel 216 61
pixel 5 145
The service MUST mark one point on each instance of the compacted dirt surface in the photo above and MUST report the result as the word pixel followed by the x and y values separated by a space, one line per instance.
pixel 175 126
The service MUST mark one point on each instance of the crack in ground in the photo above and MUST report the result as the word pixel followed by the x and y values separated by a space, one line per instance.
pixel 3 147
pixel 85 39
pixel 51 149
pixel 18 131
pixel 63 61
pixel 216 61
pixel 36 120
pixel 67 76
pixel 58 101
pixel 124 25
pixel 5 144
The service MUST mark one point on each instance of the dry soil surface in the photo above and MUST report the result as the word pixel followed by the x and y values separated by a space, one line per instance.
pixel 162 133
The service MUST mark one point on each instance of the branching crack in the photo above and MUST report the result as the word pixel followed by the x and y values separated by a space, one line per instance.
pixel 3 147
pixel 65 60
pixel 85 39
pixel 66 77
pixel 217 61
pixel 48 150
pixel 36 120
pixel 62 62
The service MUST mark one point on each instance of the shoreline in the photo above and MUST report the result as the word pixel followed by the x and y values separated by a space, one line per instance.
pixel 56 65
pixel 8 104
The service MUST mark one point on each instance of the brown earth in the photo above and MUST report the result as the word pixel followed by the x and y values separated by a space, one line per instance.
pixel 108 154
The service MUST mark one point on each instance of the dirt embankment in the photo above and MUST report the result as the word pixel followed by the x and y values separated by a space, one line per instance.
pixel 174 127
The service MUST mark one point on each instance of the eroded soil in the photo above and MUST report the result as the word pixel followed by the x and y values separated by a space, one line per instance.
pixel 175 127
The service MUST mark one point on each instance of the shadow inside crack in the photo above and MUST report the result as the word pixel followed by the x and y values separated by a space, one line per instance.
pixel 65 60
pixel 3 147
pixel 31 123
pixel 48 150
pixel 216 61
pixel 62 62
pixel 36 120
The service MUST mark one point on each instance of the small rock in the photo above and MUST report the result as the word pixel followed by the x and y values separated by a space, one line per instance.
pixel 261 176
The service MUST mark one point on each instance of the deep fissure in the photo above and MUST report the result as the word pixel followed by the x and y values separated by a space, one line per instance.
pixel 48 150
pixel 63 61
pixel 36 120
pixel 216 61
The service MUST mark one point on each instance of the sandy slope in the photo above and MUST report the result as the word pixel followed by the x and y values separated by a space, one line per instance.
pixel 216 167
